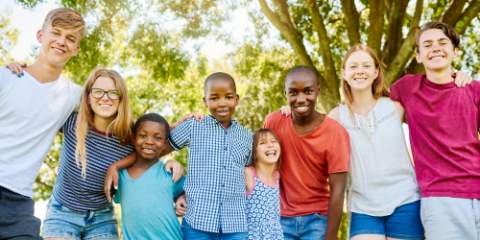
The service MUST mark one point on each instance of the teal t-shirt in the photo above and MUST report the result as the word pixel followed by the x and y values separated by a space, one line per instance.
pixel 148 204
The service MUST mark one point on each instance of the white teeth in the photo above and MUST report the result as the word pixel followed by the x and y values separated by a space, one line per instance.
pixel 301 108
pixel 147 150
pixel 270 152
pixel 58 50
pixel 437 57
pixel 360 79
pixel 105 106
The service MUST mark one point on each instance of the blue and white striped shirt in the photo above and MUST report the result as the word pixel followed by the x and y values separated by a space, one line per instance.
pixel 215 184
pixel 71 190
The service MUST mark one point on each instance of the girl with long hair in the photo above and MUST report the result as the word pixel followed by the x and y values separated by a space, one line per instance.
pixel 262 187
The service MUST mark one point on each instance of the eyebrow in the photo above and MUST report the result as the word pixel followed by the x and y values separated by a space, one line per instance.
pixel 430 41
pixel 311 86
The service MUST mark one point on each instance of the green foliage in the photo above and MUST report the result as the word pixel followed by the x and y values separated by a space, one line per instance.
pixel 8 36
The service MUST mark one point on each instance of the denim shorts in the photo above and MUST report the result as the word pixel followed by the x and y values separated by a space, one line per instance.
pixel 61 222
pixel 190 233
pixel 403 223
pixel 308 227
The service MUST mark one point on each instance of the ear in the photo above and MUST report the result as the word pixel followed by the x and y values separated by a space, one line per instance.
pixel 77 48
pixel 377 70
pixel 237 97
pixel 455 53
pixel 205 102
pixel 39 35
pixel 165 145
pixel 417 56
pixel 285 92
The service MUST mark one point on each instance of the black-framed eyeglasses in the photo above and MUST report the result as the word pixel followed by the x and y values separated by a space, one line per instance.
pixel 99 93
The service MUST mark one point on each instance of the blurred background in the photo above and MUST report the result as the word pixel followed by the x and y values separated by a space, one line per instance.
pixel 165 49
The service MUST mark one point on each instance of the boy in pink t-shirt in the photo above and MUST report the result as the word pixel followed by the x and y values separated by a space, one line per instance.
pixel 444 122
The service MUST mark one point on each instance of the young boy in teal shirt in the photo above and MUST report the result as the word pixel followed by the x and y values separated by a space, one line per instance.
pixel 146 191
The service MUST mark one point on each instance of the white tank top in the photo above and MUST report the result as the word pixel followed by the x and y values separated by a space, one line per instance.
pixel 383 176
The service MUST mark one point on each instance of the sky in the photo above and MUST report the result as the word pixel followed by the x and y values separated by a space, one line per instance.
pixel 28 22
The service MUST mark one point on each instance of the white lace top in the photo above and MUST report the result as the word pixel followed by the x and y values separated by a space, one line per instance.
pixel 383 176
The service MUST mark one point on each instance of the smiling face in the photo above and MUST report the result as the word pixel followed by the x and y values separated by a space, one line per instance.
pixel 301 90
pixel 360 71
pixel 104 107
pixel 221 99
pixel 150 140
pixel 436 51
pixel 58 44
pixel 267 149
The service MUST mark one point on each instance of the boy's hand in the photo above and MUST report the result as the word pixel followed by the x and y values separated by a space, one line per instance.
pixel 16 68
pixel 176 167
pixel 197 117
pixel 286 110
pixel 462 79
pixel 112 176
pixel 181 206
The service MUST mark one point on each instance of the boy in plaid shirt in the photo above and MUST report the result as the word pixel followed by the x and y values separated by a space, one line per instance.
pixel 219 149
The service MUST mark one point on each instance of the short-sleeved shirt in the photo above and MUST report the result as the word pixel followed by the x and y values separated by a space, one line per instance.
pixel 147 203
pixel 71 189
pixel 215 184
pixel 31 113
pixel 307 160
pixel 443 121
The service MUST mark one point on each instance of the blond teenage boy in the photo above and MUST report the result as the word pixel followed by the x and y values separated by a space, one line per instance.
pixel 32 110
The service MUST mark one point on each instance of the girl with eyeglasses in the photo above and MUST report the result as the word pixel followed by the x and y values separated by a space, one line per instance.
pixel 94 139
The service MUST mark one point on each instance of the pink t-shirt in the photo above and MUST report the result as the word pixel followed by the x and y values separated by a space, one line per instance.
pixel 444 122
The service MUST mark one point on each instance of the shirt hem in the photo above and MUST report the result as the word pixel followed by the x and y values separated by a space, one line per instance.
pixel 451 194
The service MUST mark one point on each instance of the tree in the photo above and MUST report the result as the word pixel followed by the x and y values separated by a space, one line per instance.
pixel 388 27
pixel 8 37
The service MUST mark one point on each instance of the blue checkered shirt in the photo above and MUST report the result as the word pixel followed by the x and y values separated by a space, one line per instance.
pixel 215 184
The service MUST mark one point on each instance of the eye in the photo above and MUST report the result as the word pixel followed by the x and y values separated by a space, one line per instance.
pixel 309 91
pixel 229 97
pixel 71 40
pixel 115 93
pixel 352 67
pixel 292 93
pixel 428 45
pixel 443 43
pixel 214 98
pixel 142 135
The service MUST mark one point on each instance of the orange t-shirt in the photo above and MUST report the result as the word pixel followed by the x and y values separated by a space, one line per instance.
pixel 307 161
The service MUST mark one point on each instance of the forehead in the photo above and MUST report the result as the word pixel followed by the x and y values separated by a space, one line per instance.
pixel 359 57
pixel 433 35
pixel 104 83
pixel 220 86
pixel 68 31
pixel 300 78
pixel 151 126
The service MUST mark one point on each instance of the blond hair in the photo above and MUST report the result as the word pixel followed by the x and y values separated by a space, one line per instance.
pixel 378 86
pixel 65 18
pixel 121 125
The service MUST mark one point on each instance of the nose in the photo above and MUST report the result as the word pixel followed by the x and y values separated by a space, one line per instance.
pixel 105 97
pixel 301 98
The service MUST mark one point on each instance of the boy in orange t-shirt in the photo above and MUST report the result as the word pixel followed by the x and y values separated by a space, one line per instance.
pixel 316 159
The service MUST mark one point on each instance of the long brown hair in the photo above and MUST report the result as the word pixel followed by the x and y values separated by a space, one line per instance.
pixel 378 86
pixel 257 136
pixel 121 125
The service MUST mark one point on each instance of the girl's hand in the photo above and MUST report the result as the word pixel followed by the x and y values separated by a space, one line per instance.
pixel 462 79
pixel 16 68
pixel 197 117
pixel 111 177
pixel 177 169
pixel 181 206
pixel 286 110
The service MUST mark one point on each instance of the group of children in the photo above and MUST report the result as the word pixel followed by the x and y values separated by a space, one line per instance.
pixel 286 181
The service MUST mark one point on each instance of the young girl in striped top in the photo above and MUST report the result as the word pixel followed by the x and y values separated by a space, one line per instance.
pixel 262 187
